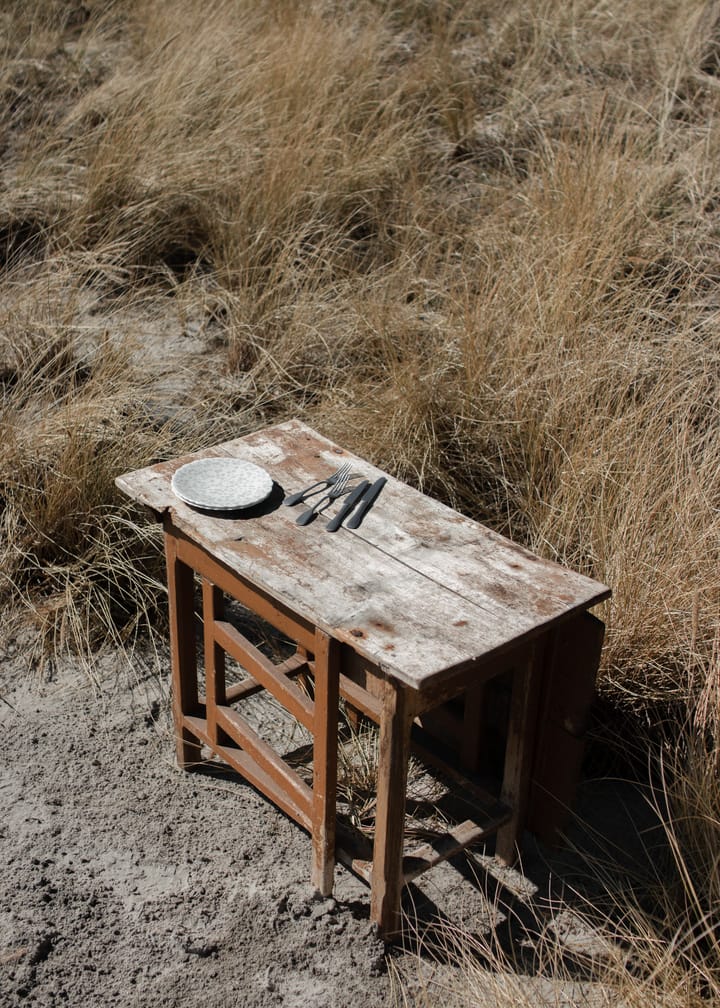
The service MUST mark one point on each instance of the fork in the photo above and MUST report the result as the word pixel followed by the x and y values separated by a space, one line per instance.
pixel 339 487
pixel 295 498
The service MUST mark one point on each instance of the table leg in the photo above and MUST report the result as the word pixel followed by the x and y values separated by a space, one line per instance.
pixel 393 755
pixel 519 750
pixel 214 657
pixel 325 732
pixel 182 652
pixel 567 696
pixel 472 735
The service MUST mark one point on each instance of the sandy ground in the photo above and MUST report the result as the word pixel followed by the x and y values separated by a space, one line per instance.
pixel 126 881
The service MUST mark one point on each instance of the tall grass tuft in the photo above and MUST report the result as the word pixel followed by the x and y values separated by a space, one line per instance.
pixel 79 407
pixel 645 938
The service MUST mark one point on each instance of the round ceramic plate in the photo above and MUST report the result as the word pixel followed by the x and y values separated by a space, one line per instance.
pixel 222 484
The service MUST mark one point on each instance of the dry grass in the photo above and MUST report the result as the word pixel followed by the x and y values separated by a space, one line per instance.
pixel 78 406
pixel 641 939
pixel 475 242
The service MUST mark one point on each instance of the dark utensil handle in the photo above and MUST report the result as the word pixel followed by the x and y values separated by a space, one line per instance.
pixel 334 524
pixel 295 498
pixel 307 516
pixel 366 503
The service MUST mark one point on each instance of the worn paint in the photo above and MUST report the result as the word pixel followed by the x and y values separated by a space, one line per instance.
pixel 413 569
pixel 458 603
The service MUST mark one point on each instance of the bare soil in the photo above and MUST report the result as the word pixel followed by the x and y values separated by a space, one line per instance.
pixel 126 881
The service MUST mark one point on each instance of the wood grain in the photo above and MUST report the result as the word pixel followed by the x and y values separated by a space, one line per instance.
pixel 182 653
pixel 418 605
pixel 325 736
pixel 418 589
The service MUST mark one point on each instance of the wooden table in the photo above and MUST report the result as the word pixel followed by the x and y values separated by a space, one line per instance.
pixel 408 618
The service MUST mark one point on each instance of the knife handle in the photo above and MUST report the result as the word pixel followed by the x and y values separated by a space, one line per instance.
pixel 367 502
pixel 334 524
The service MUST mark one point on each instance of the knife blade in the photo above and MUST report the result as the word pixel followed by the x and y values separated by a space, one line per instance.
pixel 334 524
pixel 366 503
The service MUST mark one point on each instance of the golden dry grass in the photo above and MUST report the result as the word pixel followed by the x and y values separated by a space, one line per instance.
pixel 627 938
pixel 475 242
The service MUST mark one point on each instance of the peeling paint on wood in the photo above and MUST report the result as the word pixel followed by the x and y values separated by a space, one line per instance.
pixel 437 587
pixel 417 607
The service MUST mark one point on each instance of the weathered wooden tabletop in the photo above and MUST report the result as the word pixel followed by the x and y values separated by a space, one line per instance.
pixel 419 590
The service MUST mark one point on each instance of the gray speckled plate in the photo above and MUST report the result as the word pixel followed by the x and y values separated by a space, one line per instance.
pixel 221 484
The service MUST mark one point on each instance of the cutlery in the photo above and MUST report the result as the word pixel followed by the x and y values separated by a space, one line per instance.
pixel 334 524
pixel 338 489
pixel 295 498
pixel 366 503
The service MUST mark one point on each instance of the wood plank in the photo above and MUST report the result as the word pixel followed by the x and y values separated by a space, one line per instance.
pixel 262 603
pixel 427 589
pixel 325 741
pixel 294 666
pixel 266 785
pixel 263 671
pixel 360 699
pixel 440 848
pixel 472 744
pixel 248 768
pixel 214 656
pixel 567 697
pixel 361 867
pixel 519 749
pixel 438 541
pixel 393 753
pixel 399 620
pixel 183 658
pixel 501 578
pixel 241 732
pixel 441 689
pixel 355 850
pixel 447 845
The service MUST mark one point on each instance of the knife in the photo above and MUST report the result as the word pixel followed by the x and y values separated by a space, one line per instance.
pixel 366 503
pixel 334 524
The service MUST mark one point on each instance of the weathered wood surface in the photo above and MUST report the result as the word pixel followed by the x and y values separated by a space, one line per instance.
pixel 272 677
pixel 257 749
pixel 393 754
pixel 294 667
pixel 182 652
pixel 440 848
pixel 418 590
pixel 214 656
pixel 325 742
